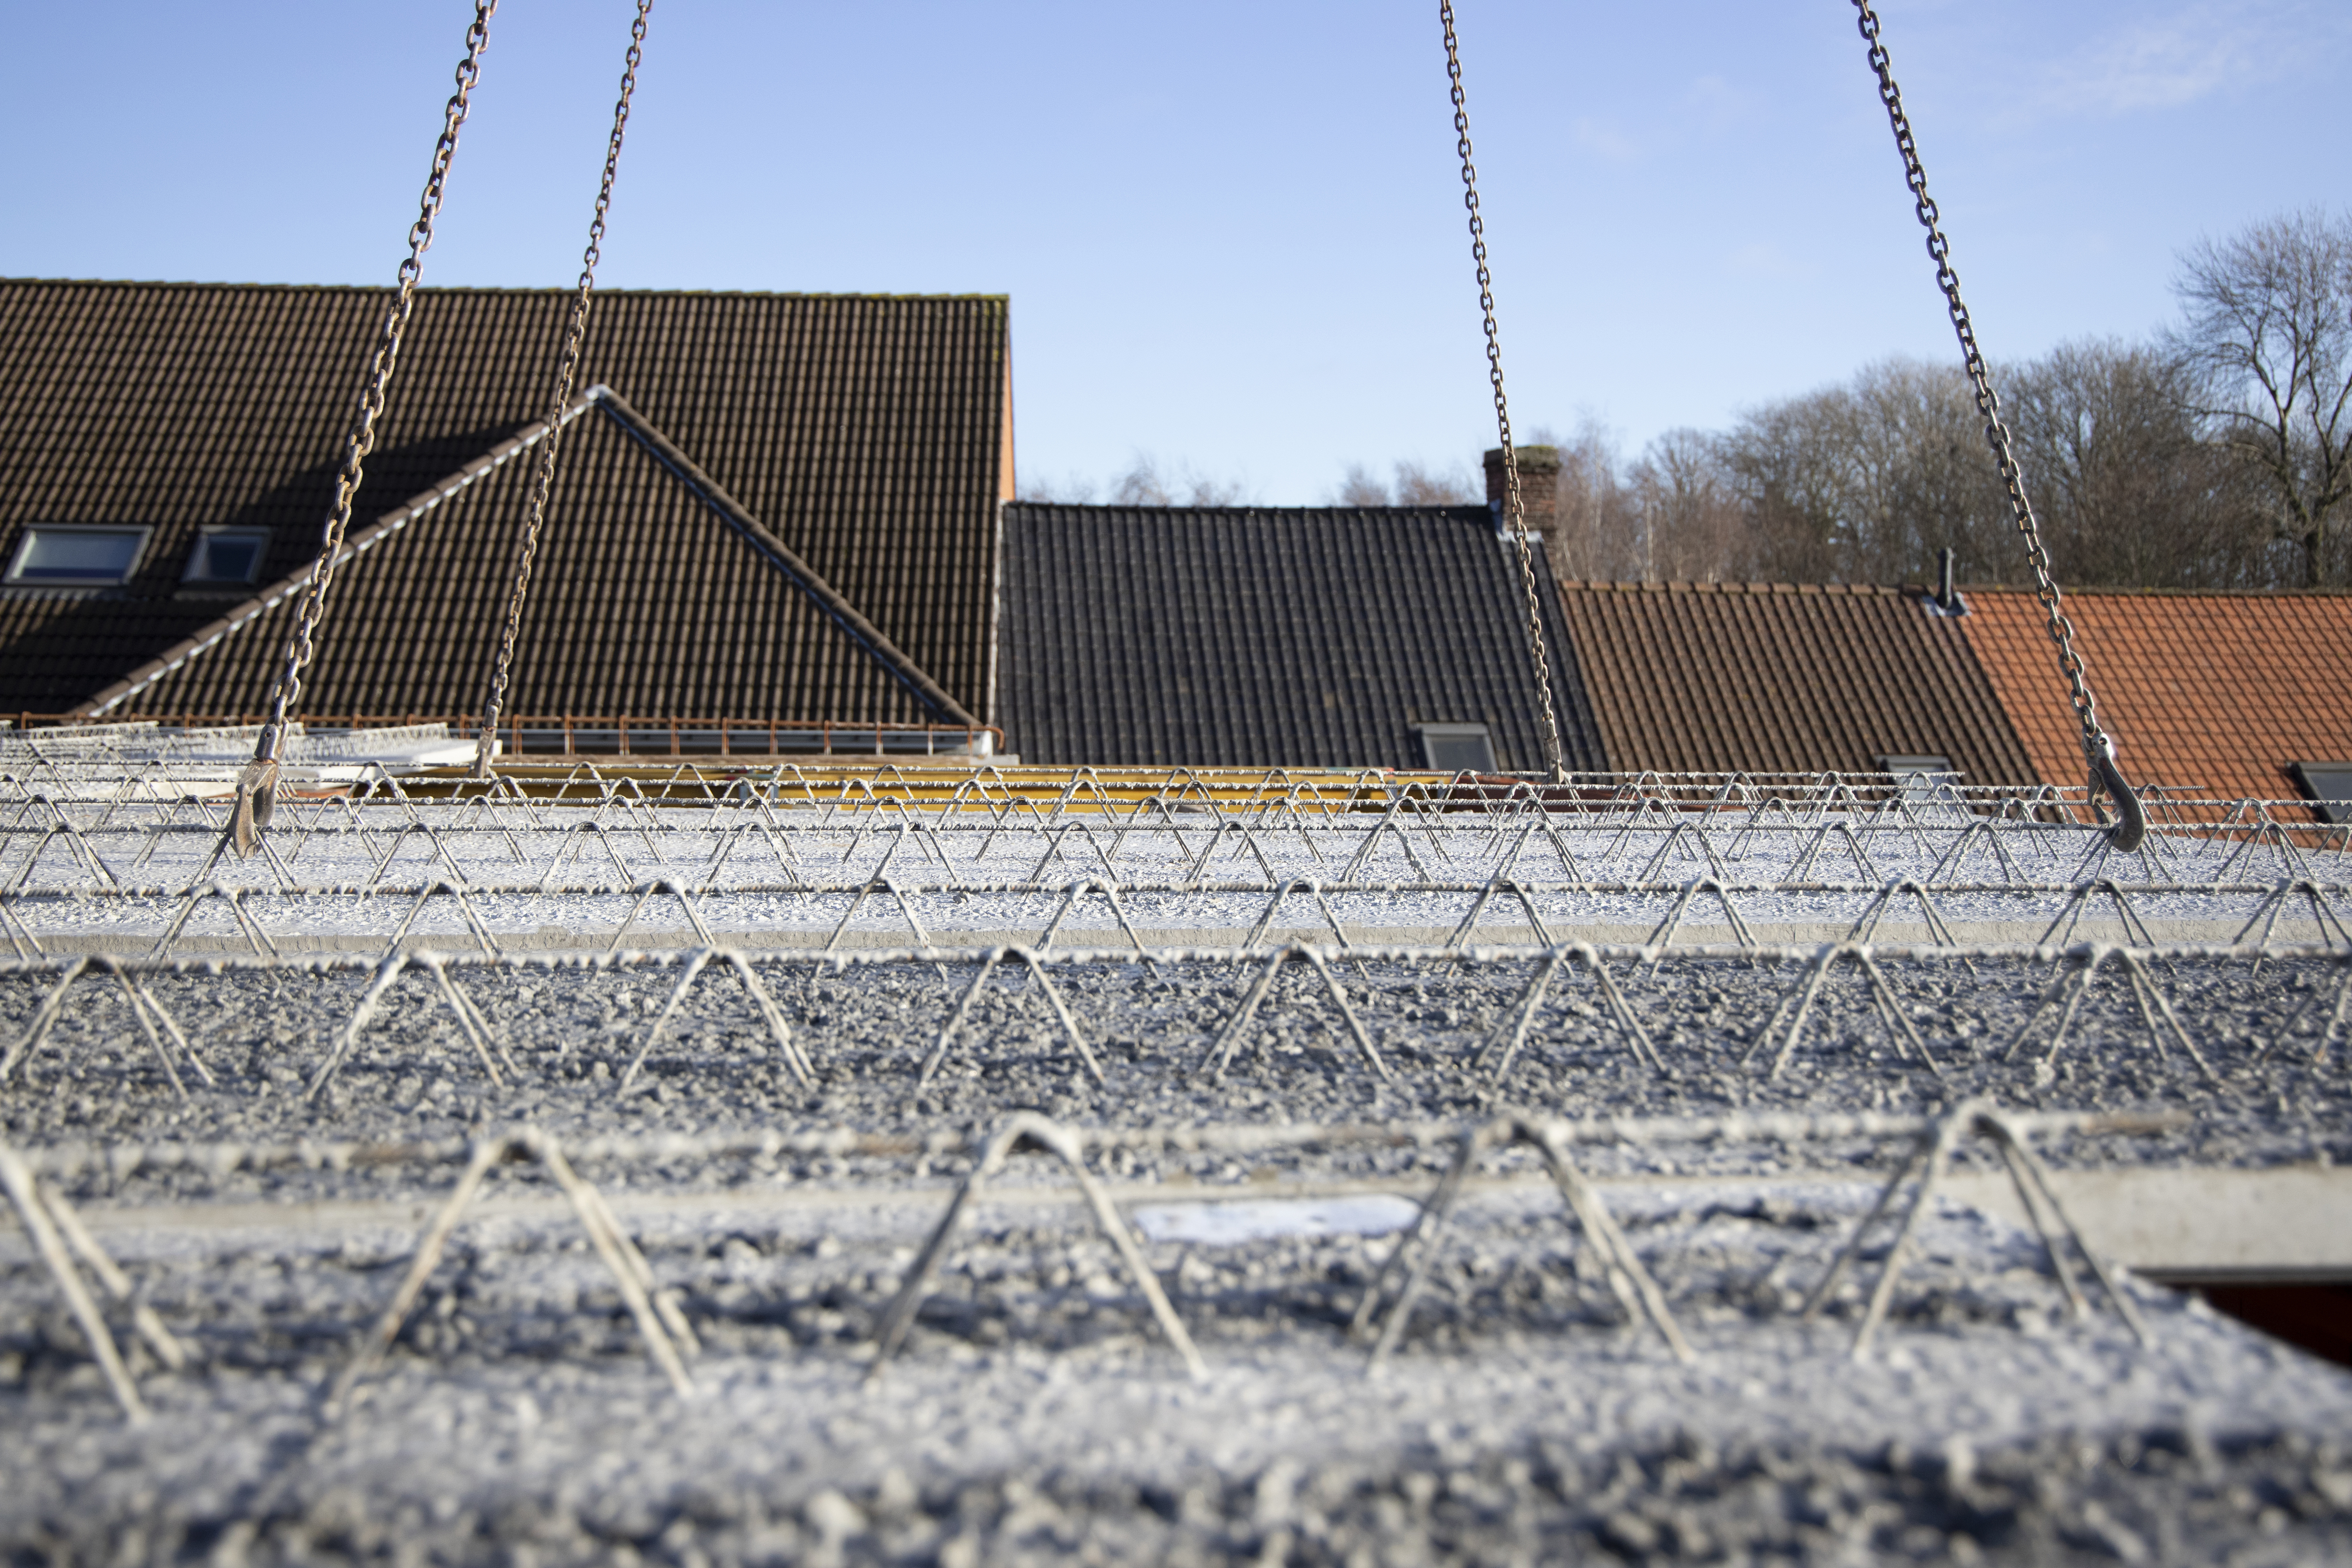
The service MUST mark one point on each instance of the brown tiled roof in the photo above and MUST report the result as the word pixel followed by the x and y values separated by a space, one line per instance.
pixel 1778 677
pixel 619 619
pixel 2220 690
pixel 872 434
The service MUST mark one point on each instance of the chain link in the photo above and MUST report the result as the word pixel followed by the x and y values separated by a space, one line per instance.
pixel 567 370
pixel 2098 750
pixel 300 642
pixel 1512 506
pixel 258 787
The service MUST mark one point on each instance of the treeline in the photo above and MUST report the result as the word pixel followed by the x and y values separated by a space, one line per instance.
pixel 1866 482
pixel 2217 455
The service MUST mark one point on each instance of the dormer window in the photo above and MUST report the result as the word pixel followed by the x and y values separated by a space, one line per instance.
pixel 228 557
pixel 75 555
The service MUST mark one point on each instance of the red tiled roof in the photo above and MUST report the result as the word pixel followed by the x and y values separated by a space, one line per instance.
pixel 871 434
pixel 1783 678
pixel 2220 690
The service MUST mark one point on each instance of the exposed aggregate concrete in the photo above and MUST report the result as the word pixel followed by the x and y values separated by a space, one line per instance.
pixel 1036 1414
pixel 572 1034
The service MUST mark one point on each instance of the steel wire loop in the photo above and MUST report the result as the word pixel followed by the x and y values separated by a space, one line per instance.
pixel 567 370
pixel 1513 509
pixel 257 790
pixel 2098 749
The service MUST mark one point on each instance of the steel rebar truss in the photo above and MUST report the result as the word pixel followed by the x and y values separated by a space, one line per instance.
pixel 1802 976
pixel 61 1239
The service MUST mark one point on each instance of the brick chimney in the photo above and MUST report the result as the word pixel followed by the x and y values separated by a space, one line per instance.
pixel 1538 493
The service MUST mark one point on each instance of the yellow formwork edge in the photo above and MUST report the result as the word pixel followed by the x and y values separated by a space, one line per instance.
pixel 928 786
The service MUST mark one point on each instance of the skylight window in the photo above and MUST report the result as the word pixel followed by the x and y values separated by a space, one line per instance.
pixel 227 555
pixel 65 555
pixel 1451 748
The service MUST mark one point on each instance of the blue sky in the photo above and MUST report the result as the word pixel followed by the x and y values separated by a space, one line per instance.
pixel 1233 234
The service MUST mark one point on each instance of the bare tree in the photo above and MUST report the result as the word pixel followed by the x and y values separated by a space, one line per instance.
pixel 2268 332
pixel 2127 491
pixel 1361 487
pixel 1417 485
pixel 1869 481
pixel 1597 536
pixel 1922 479
pixel 1143 484
pixel 1788 463
pixel 1073 489
pixel 1692 524
pixel 1202 490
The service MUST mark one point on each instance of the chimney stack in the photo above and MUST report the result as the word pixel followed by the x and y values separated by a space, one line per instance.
pixel 1539 494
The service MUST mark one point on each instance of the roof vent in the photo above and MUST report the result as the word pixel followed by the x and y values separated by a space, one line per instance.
pixel 1947 597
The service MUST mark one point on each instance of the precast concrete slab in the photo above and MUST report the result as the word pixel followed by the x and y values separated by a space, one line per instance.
pixel 1492 1148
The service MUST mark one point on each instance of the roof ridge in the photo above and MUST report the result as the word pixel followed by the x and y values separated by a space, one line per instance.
pixel 561 289
pixel 1628 585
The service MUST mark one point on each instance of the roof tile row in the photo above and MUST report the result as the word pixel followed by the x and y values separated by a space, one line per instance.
pixel 870 434
pixel 2216 690
pixel 1778 678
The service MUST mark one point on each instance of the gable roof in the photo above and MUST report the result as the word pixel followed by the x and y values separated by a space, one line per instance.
pixel 620 618
pixel 1249 637
pixel 1783 678
pixel 2219 691
pixel 872 436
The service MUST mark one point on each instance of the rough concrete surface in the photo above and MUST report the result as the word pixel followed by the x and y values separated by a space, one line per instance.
pixel 1036 1412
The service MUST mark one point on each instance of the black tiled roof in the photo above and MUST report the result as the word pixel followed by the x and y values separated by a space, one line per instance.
pixel 871 435
pixel 1260 636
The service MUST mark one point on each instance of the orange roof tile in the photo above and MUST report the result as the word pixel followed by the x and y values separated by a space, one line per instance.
pixel 2220 690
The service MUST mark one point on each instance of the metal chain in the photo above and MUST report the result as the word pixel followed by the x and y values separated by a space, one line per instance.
pixel 256 790
pixel 566 371
pixel 1511 502
pixel 2098 750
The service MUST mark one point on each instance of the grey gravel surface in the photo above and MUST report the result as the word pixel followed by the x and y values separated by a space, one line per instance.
pixel 1035 1414
pixel 574 1033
